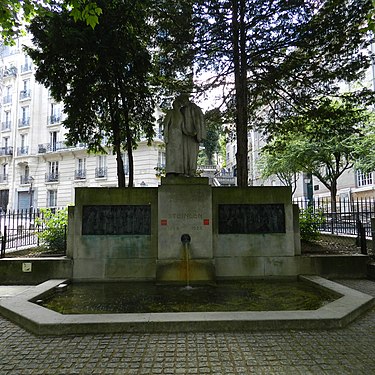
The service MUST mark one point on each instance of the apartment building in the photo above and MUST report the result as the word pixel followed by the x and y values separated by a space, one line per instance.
pixel 37 169
pixel 352 184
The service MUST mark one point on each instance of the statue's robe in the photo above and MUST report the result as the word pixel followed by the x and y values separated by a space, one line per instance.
pixel 194 131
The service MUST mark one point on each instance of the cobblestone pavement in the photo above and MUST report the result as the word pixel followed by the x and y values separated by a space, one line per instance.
pixel 350 350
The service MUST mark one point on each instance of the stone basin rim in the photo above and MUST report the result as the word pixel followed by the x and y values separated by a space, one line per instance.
pixel 22 310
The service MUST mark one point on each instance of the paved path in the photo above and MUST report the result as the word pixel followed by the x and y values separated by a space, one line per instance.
pixel 345 351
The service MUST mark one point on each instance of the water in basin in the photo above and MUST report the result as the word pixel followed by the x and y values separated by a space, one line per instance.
pixel 146 297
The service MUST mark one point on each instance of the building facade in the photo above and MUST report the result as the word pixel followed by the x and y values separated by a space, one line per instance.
pixel 37 169
pixel 353 184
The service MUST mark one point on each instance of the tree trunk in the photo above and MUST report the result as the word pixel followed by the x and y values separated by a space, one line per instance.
pixel 120 166
pixel 240 76
pixel 333 192
pixel 117 146
pixel 129 149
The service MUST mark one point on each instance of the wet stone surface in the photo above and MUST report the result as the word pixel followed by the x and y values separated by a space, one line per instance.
pixel 350 350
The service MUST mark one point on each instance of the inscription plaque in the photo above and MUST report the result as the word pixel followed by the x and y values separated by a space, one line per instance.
pixel 251 218
pixel 116 220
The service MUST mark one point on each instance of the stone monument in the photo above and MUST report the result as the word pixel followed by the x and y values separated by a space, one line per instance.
pixel 185 229
pixel 184 130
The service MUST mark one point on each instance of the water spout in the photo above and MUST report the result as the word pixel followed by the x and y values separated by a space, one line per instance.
pixel 185 239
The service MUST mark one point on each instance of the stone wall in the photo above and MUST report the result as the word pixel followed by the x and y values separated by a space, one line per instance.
pixel 102 253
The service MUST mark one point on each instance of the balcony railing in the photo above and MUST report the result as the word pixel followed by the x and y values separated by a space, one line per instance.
pixel 3 178
pixel 6 151
pixel 23 150
pixel 57 146
pixel 24 122
pixel 26 68
pixel 100 172
pixel 80 174
pixel 10 72
pixel 25 180
pixel 25 94
pixel 52 177
pixel 54 119
pixel 6 125
pixel 7 99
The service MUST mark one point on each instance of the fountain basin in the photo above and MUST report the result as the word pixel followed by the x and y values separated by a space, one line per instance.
pixel 40 320
pixel 223 296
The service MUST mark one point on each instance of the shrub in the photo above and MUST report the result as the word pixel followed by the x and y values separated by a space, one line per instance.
pixel 309 223
pixel 53 225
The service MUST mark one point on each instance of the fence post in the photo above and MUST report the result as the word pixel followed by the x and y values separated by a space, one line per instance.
pixel 361 236
pixel 373 234
pixel 3 242
pixel 65 239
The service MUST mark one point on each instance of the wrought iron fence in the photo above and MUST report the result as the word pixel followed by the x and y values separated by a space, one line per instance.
pixel 347 216
pixel 19 229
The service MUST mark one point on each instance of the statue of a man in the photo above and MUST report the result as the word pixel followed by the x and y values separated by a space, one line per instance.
pixel 184 129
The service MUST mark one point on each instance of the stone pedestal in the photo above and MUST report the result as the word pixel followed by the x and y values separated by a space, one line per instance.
pixel 185 207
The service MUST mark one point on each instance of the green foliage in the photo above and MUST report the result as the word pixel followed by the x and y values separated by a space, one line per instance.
pixel 365 150
pixel 309 222
pixel 280 55
pixel 54 228
pixel 281 164
pixel 325 141
pixel 214 130
pixel 86 10
pixel 14 14
pixel 103 75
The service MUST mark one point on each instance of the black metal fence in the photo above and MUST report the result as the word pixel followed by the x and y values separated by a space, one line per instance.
pixel 345 218
pixel 19 229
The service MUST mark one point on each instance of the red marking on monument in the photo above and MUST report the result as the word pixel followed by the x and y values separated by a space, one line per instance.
pixel 206 222
pixel 163 222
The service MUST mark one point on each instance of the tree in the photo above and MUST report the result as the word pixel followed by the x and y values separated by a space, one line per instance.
pixel 102 75
pixel 283 165
pixel 274 56
pixel 14 14
pixel 324 141
pixel 214 130
pixel 365 150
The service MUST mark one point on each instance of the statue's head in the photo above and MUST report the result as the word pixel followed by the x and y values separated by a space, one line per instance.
pixel 183 99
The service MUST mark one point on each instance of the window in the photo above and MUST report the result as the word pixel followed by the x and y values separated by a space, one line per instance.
pixel 26 65
pixel 53 171
pixel 5 149
pixel 25 178
pixel 23 149
pixel 8 95
pixel 24 117
pixel 363 179
pixel 161 159
pixel 6 121
pixel 125 160
pixel 4 173
pixel 25 92
pixel 55 114
pixel 51 198
pixel 80 172
pixel 53 145
pixel 101 169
